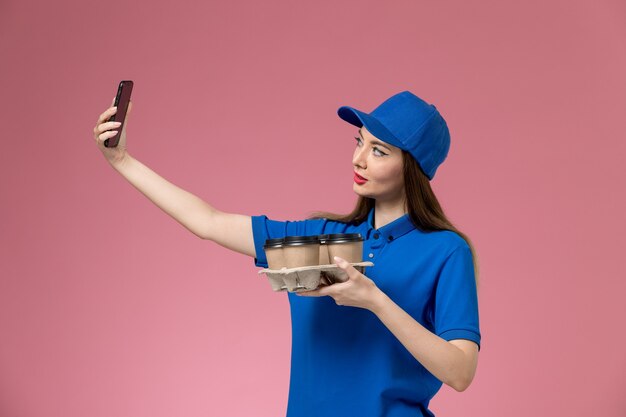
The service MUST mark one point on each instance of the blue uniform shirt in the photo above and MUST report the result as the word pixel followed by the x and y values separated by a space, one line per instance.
pixel 344 361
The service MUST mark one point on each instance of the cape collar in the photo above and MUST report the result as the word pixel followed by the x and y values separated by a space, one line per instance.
pixel 392 230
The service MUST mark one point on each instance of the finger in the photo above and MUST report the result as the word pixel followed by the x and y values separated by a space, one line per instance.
pixel 103 127
pixel 106 135
pixel 320 292
pixel 112 104
pixel 340 286
pixel 345 266
pixel 107 114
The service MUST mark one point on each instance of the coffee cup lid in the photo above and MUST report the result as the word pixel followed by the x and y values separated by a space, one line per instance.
pixel 273 243
pixel 301 240
pixel 344 237
pixel 323 238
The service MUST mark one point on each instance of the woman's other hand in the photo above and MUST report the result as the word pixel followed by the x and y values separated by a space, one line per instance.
pixel 105 130
pixel 357 291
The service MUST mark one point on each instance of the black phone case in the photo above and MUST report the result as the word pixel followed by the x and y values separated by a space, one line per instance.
pixel 122 99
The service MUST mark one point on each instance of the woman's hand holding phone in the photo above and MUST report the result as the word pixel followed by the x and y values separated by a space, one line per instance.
pixel 105 130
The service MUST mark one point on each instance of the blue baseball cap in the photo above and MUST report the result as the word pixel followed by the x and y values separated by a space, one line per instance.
pixel 409 123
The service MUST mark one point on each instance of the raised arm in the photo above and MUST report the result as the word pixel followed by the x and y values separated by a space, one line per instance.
pixel 232 231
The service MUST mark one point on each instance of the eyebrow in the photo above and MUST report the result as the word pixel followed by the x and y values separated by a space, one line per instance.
pixel 375 142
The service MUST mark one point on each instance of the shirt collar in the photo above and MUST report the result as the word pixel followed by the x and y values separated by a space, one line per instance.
pixel 393 230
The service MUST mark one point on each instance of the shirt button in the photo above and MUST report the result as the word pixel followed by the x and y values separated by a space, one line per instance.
pixel 371 255
pixel 390 238
pixel 376 235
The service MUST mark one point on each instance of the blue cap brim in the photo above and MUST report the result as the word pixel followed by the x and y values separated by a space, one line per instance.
pixel 359 119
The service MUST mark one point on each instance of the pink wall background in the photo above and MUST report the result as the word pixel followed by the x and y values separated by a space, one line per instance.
pixel 108 307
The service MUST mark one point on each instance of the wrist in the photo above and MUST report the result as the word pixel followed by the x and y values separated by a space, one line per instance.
pixel 120 162
pixel 378 301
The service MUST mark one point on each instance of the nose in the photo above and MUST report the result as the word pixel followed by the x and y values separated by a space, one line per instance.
pixel 359 160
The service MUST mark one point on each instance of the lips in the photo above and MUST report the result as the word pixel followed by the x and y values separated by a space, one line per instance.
pixel 359 179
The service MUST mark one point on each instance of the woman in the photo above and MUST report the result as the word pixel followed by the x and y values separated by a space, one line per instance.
pixel 375 345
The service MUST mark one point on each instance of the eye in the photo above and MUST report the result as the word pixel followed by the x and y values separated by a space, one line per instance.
pixel 379 151
pixel 375 149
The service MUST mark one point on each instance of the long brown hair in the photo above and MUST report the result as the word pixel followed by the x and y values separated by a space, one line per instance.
pixel 422 206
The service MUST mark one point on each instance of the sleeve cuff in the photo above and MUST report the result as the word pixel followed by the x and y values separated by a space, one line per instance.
pixel 259 233
pixel 461 334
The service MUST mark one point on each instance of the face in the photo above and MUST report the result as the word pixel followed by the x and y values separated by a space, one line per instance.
pixel 381 165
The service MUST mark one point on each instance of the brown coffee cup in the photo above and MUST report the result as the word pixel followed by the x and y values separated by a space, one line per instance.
pixel 324 259
pixel 301 251
pixel 348 246
pixel 274 253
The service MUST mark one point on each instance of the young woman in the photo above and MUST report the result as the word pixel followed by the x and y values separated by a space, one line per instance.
pixel 375 345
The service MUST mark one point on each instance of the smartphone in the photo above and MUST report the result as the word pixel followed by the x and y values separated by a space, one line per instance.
pixel 122 99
